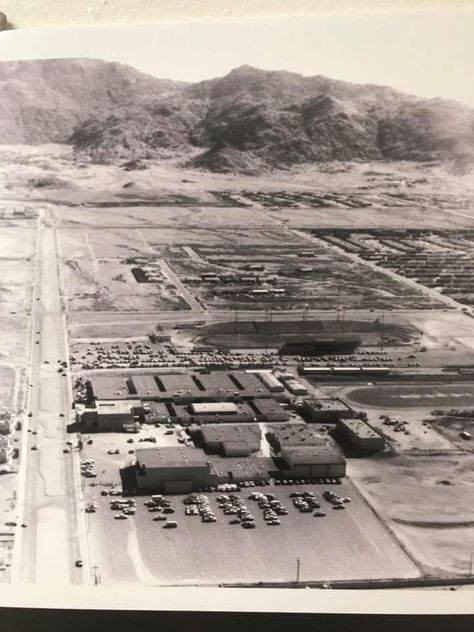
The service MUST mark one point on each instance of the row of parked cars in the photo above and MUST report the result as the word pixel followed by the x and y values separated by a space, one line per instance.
pixel 308 481
pixel 238 487
pixel 235 505
pixel 271 506
pixel 336 501
pixel 125 506
pixel 161 508
pixel 199 505
pixel 307 502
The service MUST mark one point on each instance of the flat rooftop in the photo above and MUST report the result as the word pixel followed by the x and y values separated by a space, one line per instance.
pixel 241 467
pixel 110 387
pixel 306 455
pixel 180 456
pixel 360 428
pixel 269 407
pixel 296 434
pixel 327 404
pixel 215 408
pixel 231 432
pixel 121 406
pixel 167 385
pixel 145 386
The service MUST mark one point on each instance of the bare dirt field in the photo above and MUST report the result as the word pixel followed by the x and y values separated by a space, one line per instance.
pixel 375 217
pixel 425 501
pixel 207 236
pixel 13 342
pixel 110 285
pixel 80 243
pixel 164 217
pixel 17 241
pixel 7 384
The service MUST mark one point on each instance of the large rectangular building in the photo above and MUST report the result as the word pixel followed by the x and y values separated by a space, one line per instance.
pixel 112 416
pixel 269 410
pixel 213 408
pixel 360 435
pixel 182 470
pixel 231 439
pixel 294 435
pixel 170 470
pixel 179 387
pixel 325 461
pixel 270 381
pixel 326 410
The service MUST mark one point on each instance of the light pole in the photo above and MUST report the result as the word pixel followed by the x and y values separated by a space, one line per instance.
pixel 95 570
pixel 298 569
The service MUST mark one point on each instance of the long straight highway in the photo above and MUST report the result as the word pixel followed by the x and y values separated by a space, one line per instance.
pixel 53 539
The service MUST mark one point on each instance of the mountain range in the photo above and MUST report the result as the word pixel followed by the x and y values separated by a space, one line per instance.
pixel 247 121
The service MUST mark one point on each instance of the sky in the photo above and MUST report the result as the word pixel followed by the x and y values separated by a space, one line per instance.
pixel 427 53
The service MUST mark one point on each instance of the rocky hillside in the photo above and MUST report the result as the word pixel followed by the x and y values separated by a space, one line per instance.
pixel 44 101
pixel 247 121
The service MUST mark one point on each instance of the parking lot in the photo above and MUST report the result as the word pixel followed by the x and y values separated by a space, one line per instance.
pixel 344 544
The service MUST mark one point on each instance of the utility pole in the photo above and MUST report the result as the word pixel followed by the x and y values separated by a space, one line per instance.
pixel 267 310
pixel 382 326
pixel 96 575
pixel 305 320
pixel 298 569
pixel 470 563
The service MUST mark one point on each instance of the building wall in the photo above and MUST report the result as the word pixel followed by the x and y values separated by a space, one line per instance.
pixel 317 470
pixel 106 422
pixel 244 448
pixel 331 415
pixel 359 441
pixel 162 478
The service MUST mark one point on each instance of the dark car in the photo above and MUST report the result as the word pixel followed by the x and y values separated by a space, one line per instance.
pixel 78 564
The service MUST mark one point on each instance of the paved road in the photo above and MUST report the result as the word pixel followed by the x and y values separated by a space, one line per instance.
pixel 46 549
pixel 185 293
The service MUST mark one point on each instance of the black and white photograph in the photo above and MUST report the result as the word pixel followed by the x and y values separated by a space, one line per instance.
pixel 237 305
